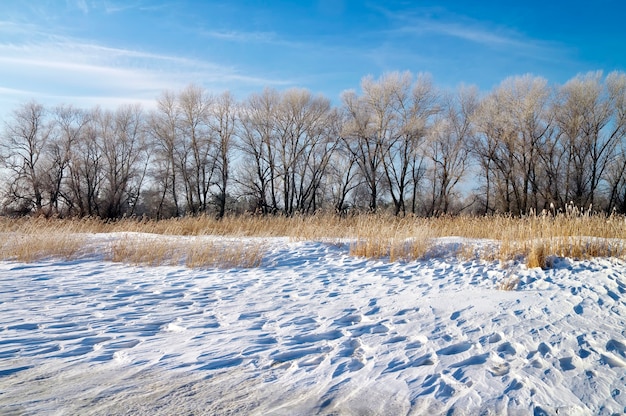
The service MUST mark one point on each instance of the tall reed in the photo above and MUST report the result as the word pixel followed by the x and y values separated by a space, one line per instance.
pixel 534 238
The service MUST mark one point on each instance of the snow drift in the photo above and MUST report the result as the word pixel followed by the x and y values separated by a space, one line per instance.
pixel 313 331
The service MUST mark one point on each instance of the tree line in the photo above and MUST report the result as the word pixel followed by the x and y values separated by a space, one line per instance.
pixel 400 144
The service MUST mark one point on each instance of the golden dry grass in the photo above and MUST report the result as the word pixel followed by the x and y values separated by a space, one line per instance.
pixel 191 253
pixel 33 247
pixel 509 283
pixel 535 239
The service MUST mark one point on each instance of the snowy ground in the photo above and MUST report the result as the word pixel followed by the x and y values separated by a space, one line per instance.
pixel 312 331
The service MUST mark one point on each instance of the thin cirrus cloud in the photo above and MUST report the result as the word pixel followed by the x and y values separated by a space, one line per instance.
pixel 466 32
pixel 264 38
pixel 481 34
pixel 61 68
pixel 239 36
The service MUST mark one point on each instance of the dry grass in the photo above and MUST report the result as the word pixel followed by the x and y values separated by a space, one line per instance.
pixel 509 283
pixel 143 252
pixel 191 253
pixel 33 247
pixel 534 239
pixel 225 256
pixel 536 257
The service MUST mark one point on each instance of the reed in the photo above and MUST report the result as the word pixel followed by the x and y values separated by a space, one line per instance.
pixel 535 239
pixel 193 253
pixel 28 248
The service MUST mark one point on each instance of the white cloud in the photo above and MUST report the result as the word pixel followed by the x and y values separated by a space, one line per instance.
pixel 239 36
pixel 48 66
pixel 441 23
pixel 464 31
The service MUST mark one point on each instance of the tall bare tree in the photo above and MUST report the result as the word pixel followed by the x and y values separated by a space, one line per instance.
pixel 616 85
pixel 23 153
pixel 86 169
pixel 197 157
pixel 163 130
pixel 363 143
pixel 258 176
pixel 513 122
pixel 448 147
pixel 385 129
pixel 223 121
pixel 591 129
pixel 123 146
pixel 68 126
pixel 304 142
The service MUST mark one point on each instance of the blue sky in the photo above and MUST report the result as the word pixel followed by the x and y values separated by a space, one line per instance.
pixel 108 52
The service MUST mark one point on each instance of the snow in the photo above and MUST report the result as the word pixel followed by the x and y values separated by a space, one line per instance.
pixel 312 331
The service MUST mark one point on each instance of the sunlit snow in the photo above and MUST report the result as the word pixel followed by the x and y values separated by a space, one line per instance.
pixel 312 331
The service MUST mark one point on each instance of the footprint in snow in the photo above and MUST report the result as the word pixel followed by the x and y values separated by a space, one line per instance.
pixel 544 349
pixel 514 385
pixel 354 351
pixel 491 339
pixel 304 356
pixel 396 339
pixel 612 294
pixel 506 349
pixel 612 361
pixel 418 342
pixel 616 347
pixel 455 349
pixel 578 309
pixel 349 320
pixel 474 360
pixel 373 311
pixel 400 365
pixel 567 364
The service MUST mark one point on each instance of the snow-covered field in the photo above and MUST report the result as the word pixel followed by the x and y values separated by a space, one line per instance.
pixel 313 331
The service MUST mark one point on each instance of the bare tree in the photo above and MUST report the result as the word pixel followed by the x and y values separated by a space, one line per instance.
pixel 616 85
pixel 197 157
pixel 163 130
pixel 403 151
pixel 590 132
pixel 223 124
pixel 23 154
pixel 123 148
pixel 325 139
pixel 363 144
pixel 68 126
pixel 86 169
pixel 303 147
pixel 448 147
pixel 342 175
pixel 513 122
pixel 385 129
pixel 258 145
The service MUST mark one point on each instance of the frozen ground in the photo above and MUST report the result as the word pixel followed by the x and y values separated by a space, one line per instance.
pixel 313 331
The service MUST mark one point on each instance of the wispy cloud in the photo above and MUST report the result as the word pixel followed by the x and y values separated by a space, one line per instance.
pixel 53 66
pixel 116 6
pixel 481 33
pixel 13 91
pixel 111 7
pixel 265 38
pixel 239 36
pixel 466 31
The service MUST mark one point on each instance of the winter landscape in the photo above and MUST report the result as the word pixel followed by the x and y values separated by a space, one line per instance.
pixel 321 207
pixel 313 330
